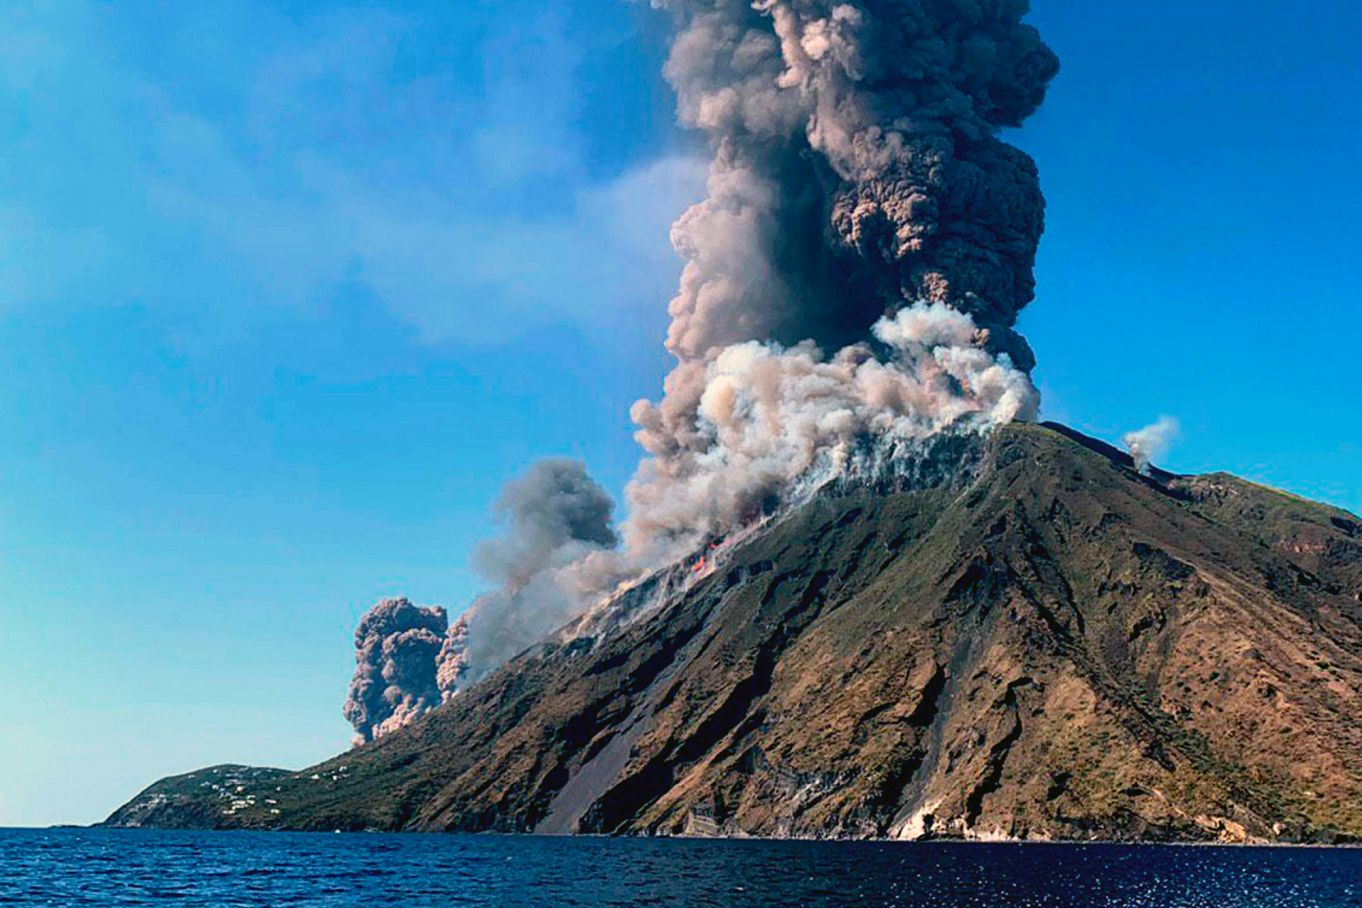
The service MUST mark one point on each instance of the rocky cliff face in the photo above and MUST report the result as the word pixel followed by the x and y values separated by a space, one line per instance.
pixel 1043 645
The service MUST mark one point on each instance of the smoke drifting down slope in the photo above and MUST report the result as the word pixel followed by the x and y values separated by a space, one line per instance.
pixel 851 287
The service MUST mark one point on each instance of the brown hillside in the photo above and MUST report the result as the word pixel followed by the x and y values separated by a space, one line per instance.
pixel 1044 645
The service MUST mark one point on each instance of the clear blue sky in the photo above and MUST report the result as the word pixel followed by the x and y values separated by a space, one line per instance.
pixel 287 290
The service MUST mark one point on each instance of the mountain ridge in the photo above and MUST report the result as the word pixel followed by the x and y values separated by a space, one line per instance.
pixel 1047 645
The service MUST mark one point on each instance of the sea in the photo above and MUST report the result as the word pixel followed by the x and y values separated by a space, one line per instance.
pixel 74 867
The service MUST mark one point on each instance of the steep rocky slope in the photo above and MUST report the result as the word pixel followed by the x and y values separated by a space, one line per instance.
pixel 1038 643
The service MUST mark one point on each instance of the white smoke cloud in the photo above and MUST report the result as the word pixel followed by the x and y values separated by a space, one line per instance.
pixel 768 416
pixel 1152 442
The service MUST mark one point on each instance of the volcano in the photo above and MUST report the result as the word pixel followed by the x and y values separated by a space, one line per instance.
pixel 1033 641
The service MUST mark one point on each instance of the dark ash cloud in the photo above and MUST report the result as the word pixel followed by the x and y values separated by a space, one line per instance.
pixel 396 644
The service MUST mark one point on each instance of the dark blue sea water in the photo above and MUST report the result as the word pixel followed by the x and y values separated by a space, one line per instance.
pixel 71 867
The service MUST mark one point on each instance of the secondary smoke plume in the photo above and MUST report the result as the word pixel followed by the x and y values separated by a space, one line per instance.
pixel 395 678
pixel 1152 442
pixel 555 517
pixel 409 660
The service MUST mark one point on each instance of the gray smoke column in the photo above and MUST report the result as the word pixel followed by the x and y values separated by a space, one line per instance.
pixel 856 176
pixel 856 166
pixel 396 644
pixel 555 519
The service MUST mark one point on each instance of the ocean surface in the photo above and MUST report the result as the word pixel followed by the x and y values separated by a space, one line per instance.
pixel 73 867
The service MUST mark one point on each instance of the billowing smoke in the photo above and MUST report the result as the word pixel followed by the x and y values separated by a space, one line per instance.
pixel 856 166
pixel 774 416
pixel 451 663
pixel 409 659
pixel 851 288
pixel 856 175
pixel 555 517
pixel 396 644
pixel 1152 442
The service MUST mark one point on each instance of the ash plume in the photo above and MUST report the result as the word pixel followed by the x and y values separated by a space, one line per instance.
pixel 1152 442
pixel 856 166
pixel 856 176
pixel 396 644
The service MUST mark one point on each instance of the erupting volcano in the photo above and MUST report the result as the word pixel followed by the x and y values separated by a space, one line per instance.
pixel 858 591
pixel 851 284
